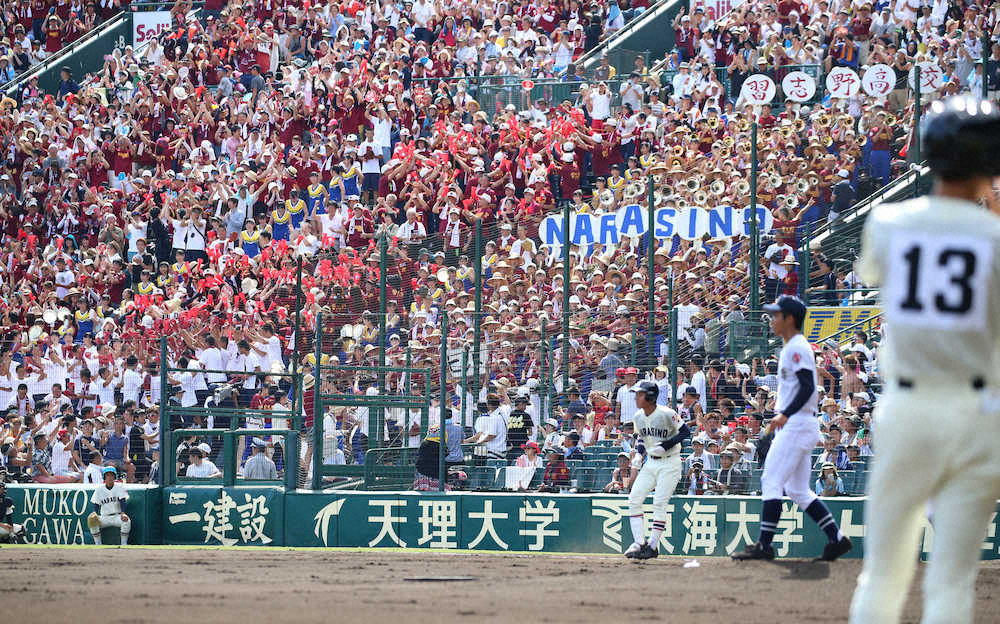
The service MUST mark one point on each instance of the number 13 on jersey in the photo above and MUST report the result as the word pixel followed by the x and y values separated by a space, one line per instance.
pixel 938 281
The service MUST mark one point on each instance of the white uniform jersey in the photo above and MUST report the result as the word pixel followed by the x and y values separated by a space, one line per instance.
pixel 796 355
pixel 658 427
pixel 111 501
pixel 938 261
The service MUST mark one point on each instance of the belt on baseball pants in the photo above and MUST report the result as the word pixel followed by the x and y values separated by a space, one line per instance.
pixel 977 383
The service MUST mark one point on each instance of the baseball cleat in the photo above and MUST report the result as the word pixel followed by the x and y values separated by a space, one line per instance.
pixel 755 551
pixel 834 550
pixel 633 550
pixel 647 552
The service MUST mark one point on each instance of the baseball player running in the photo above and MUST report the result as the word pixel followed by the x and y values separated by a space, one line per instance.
pixel 661 432
pixel 109 507
pixel 938 259
pixel 796 432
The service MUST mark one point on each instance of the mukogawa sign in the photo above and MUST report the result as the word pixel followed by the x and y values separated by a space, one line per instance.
pixel 631 220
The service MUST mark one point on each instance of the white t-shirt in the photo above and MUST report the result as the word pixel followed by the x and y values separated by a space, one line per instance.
pixel 203 470
pixel 61 454
pixel 180 234
pixel 92 475
pixel 105 389
pixel 64 279
pixel 370 165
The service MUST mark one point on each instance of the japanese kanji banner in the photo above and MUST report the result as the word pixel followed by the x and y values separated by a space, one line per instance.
pixel 879 80
pixel 842 82
pixel 597 523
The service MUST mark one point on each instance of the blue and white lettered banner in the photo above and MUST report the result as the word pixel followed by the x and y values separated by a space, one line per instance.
pixel 631 220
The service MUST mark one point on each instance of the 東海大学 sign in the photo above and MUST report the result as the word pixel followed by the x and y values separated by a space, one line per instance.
pixel 628 221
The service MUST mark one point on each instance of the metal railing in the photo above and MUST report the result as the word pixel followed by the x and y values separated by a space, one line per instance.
pixel 493 99
pixel 586 62
pixel 230 456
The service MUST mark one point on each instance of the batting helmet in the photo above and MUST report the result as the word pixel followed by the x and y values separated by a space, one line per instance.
pixel 109 470
pixel 960 138
pixel 650 390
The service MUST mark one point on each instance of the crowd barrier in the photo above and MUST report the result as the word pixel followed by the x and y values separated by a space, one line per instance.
pixel 577 523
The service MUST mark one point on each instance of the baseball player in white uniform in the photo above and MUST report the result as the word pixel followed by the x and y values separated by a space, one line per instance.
pixel 661 432
pixel 109 507
pixel 796 432
pixel 938 259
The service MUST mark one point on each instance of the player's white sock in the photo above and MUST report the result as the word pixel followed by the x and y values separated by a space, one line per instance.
pixel 637 528
pixel 124 539
pixel 97 538
pixel 654 535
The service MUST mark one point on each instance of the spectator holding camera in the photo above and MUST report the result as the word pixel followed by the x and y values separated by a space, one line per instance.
pixel 829 482
pixel 728 479
pixel 622 477
pixel 698 481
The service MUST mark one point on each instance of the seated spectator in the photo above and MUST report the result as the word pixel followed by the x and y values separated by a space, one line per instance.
pixel 573 448
pixel 698 481
pixel 698 454
pixel 200 466
pixel 729 479
pixel 525 467
pixel 829 483
pixel 552 436
pixel 622 477
pixel 556 476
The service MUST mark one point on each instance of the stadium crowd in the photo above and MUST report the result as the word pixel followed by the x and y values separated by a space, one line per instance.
pixel 173 194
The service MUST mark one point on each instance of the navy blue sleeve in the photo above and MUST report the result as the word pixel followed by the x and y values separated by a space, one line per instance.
pixel 681 435
pixel 806 388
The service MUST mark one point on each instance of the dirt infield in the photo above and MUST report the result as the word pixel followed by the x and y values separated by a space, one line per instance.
pixel 182 585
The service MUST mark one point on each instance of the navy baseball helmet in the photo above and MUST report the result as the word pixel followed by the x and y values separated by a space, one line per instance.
pixel 960 138
pixel 791 305
pixel 650 389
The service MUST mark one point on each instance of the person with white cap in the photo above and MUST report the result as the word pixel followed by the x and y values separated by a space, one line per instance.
pixel 200 466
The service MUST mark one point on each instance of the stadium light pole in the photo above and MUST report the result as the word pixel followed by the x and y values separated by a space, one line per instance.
pixel 379 419
pixel 477 320
pixel 443 429
pixel 565 310
pixel 317 441
pixel 916 115
pixel 754 226
pixel 985 57
pixel 650 221
pixel 165 446
pixel 296 384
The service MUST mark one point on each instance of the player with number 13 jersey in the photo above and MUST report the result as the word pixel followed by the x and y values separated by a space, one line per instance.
pixel 936 428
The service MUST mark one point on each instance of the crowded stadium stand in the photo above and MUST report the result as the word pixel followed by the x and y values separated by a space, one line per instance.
pixel 290 201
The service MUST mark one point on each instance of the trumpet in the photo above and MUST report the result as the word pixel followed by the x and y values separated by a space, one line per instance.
pixel 742 187
pixel 800 125
pixel 701 198
pixel 813 180
pixel 717 187
pixel 607 197
pixel 633 190
pixel 724 153
pixel 675 162
pixel 827 141
pixel 775 180
pixel 743 125
pixel 802 186
pixel 890 120
pixel 743 147
pixel 713 122
pixel 681 203
pixel 863 140
pixel 678 151
pixel 786 131
pixel 823 120
pixel 728 140
pixel 691 184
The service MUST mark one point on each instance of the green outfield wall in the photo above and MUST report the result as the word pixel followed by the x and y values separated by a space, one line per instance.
pixel 269 516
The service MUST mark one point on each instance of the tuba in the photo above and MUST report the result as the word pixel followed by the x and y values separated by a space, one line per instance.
pixel 701 197
pixel 607 197
pixel 692 184
pixel 718 187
